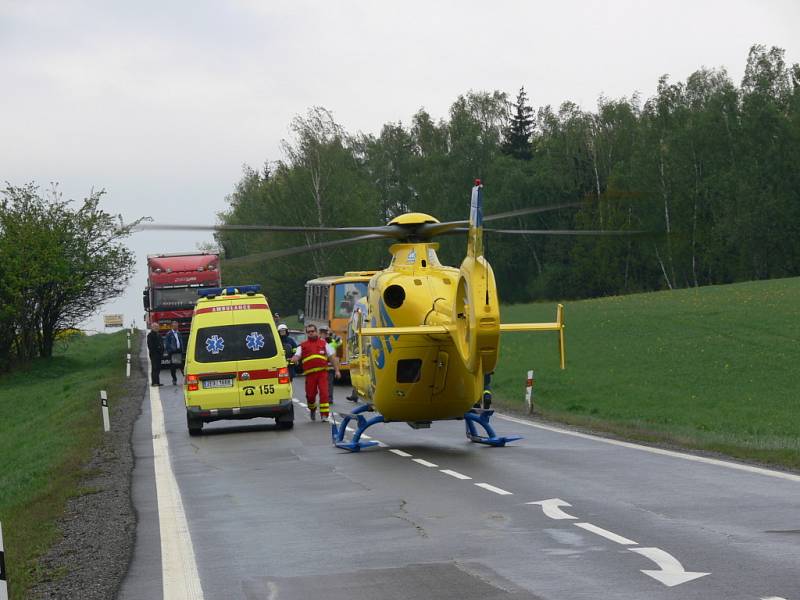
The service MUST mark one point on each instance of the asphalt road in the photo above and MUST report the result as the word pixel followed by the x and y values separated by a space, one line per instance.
pixel 247 511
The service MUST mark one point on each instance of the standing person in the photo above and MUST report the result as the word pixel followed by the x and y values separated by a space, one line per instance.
pixel 335 342
pixel 289 345
pixel 174 350
pixel 155 348
pixel 314 354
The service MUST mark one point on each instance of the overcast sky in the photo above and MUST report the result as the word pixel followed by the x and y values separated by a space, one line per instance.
pixel 161 103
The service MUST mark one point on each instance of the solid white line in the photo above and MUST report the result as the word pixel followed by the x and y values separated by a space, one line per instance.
pixel 3 584
pixel 179 576
pixel 424 463
pixel 455 474
pixel 609 535
pixel 400 453
pixel 496 490
pixel 661 451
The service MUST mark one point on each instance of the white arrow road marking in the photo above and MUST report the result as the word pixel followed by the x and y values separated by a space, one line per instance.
pixel 551 508
pixel 671 573
pixel 180 579
pixel 609 535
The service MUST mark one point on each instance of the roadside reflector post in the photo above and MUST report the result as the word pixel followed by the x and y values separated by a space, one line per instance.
pixel 104 409
pixel 129 341
pixel 3 574
pixel 128 367
pixel 529 393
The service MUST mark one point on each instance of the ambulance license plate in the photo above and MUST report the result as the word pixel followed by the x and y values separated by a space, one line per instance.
pixel 217 383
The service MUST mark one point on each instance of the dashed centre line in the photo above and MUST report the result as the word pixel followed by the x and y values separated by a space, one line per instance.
pixel 424 463
pixel 455 474
pixel 400 453
pixel 494 489
pixel 609 535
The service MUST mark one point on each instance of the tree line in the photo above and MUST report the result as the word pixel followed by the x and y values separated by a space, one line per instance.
pixel 58 264
pixel 712 164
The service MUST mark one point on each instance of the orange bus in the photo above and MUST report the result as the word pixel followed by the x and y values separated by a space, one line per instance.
pixel 330 302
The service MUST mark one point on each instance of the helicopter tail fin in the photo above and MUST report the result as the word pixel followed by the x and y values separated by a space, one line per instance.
pixel 475 237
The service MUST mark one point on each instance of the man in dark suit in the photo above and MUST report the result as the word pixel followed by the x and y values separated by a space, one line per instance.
pixel 174 350
pixel 155 348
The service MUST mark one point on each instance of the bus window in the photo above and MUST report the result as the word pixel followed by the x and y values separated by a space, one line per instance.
pixel 345 297
pixel 323 292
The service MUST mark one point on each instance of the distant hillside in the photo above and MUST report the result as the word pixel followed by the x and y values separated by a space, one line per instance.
pixel 714 368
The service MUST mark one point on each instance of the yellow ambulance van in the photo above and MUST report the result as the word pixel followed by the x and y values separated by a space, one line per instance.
pixel 235 365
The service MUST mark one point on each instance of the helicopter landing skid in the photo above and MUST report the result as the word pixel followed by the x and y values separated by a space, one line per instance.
pixel 354 445
pixel 481 417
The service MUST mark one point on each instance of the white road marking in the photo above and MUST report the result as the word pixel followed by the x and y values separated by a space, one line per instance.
pixel 455 474
pixel 180 579
pixel 661 451
pixel 496 490
pixel 424 463
pixel 365 436
pixel 551 508
pixel 400 453
pixel 609 535
pixel 672 572
pixel 773 598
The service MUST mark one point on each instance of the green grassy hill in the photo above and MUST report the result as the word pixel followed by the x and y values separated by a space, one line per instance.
pixel 50 420
pixel 714 368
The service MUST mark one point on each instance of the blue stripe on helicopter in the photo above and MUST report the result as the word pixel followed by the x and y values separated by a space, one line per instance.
pixel 386 321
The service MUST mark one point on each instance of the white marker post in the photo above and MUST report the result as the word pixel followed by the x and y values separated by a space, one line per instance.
pixel 129 341
pixel 3 574
pixel 104 409
pixel 128 367
pixel 529 393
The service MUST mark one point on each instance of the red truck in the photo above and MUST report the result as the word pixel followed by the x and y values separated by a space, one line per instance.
pixel 172 284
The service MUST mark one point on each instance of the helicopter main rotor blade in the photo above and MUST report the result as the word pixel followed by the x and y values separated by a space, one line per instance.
pixel 381 231
pixel 432 229
pixel 608 232
pixel 300 249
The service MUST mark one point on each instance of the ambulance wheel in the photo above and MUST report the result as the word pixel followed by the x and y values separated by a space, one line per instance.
pixel 195 425
pixel 285 421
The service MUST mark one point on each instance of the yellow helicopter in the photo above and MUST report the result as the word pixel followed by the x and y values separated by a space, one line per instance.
pixel 421 341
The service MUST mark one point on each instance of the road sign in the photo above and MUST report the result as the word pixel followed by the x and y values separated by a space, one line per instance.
pixel 113 320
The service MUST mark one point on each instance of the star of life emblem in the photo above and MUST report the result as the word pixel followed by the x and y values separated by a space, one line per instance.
pixel 215 344
pixel 255 341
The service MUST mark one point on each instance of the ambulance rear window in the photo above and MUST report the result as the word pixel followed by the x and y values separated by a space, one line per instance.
pixel 234 342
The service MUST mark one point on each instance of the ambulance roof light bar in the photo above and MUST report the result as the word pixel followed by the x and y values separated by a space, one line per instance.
pixel 229 291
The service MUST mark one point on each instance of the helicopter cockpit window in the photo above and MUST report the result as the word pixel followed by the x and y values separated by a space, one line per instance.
pixel 346 296
pixel 408 370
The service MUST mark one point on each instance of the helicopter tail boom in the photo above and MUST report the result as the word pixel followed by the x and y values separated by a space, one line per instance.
pixel 418 330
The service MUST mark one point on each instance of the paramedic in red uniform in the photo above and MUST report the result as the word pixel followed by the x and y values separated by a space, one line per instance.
pixel 314 355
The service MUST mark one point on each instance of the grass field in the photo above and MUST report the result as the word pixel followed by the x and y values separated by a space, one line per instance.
pixel 713 368
pixel 49 421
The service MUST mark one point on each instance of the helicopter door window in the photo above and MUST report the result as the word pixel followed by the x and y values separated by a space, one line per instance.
pixel 408 370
